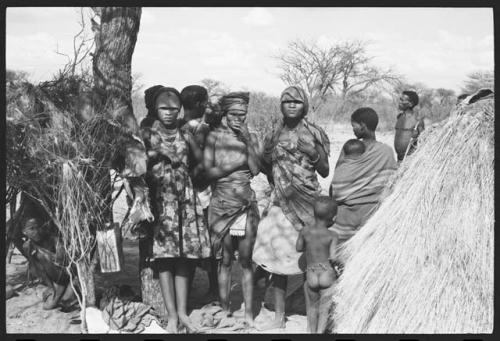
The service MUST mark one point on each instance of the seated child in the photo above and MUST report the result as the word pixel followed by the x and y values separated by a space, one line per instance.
pixel 353 148
pixel 319 244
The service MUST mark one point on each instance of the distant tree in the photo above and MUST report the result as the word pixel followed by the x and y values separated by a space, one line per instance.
pixel 444 95
pixel 264 113
pixel 342 69
pixel 479 80
pixel 357 71
pixel 137 84
pixel 214 87
pixel 15 76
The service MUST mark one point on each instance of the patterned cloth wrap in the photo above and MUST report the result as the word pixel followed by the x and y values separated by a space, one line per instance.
pixel 179 228
pixel 295 189
pixel 357 185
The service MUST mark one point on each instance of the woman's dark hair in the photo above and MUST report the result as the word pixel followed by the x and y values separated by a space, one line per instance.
pixel 366 115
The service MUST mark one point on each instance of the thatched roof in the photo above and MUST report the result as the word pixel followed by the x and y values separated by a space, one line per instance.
pixel 423 263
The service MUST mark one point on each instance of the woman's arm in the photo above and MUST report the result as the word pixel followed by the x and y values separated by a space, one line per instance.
pixel 299 245
pixel 322 165
pixel 253 155
pixel 196 152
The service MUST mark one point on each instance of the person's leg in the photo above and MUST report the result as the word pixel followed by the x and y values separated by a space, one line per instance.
pixel 325 281
pixel 278 282
pixel 312 295
pixel 323 309
pixel 307 300
pixel 59 290
pixel 224 272
pixel 212 277
pixel 183 269
pixel 210 266
pixel 245 249
pixel 258 274
pixel 166 277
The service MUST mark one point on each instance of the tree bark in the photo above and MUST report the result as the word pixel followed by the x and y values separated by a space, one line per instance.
pixel 115 39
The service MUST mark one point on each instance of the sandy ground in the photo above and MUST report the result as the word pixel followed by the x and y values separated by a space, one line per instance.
pixel 24 313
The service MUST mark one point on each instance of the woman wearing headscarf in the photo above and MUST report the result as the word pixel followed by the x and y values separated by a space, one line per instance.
pixel 231 159
pixel 292 155
pixel 180 236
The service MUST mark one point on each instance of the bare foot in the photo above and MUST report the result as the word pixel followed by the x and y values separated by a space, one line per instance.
pixel 240 312
pixel 50 303
pixel 278 323
pixel 249 321
pixel 172 326
pixel 186 322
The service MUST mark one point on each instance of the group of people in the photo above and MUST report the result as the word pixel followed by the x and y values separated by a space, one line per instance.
pixel 199 174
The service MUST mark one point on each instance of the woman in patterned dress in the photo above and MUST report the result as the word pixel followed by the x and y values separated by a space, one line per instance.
pixel 180 235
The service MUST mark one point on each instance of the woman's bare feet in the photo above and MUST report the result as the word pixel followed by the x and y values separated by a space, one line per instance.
pixel 172 327
pixel 250 321
pixel 186 322
pixel 277 323
pixel 50 302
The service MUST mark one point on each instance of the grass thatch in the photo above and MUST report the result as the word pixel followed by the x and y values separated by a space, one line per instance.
pixel 424 262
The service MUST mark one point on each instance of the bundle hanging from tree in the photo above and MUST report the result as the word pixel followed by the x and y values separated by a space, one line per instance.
pixel 424 262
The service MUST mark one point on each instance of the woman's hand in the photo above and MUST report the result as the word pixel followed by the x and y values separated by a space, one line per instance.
pixel 307 148
pixel 242 131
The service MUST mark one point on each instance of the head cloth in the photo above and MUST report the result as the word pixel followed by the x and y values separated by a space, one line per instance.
pixel 235 101
pixel 295 93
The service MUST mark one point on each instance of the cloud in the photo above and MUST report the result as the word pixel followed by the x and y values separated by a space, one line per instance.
pixel 260 17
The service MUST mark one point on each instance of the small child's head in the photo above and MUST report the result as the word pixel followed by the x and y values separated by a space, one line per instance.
pixel 325 209
pixel 353 148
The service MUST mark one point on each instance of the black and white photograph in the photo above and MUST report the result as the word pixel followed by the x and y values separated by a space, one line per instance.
pixel 249 170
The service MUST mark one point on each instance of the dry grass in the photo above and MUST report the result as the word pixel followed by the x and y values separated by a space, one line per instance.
pixel 424 262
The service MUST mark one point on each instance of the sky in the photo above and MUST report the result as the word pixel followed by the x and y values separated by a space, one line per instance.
pixel 181 46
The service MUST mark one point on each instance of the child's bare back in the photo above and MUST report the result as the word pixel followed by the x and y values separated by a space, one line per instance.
pixel 320 243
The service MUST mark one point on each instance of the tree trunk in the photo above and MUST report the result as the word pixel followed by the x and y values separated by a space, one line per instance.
pixel 115 39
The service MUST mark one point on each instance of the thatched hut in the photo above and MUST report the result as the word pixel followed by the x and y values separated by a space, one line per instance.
pixel 424 261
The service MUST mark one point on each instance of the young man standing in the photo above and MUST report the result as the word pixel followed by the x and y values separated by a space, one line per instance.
pixel 408 125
